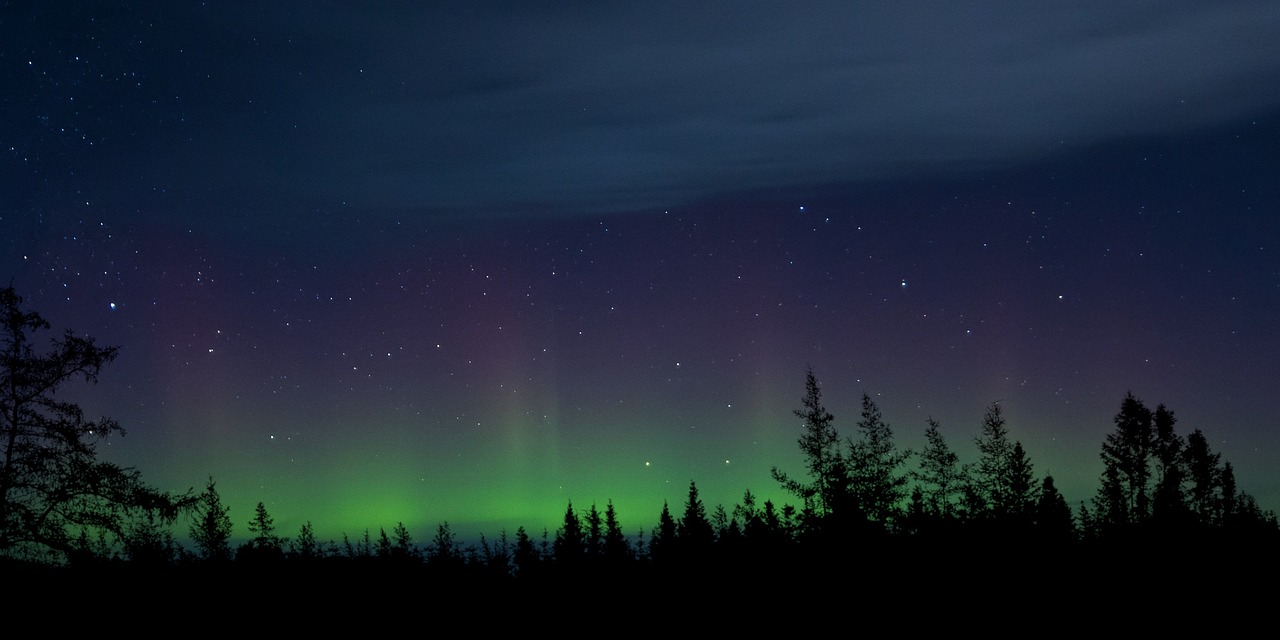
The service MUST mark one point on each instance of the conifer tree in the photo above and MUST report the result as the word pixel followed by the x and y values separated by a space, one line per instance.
pixel 694 529
pixel 305 546
pixel 1053 518
pixel 1000 487
pixel 384 544
pixel 211 527
pixel 527 558
pixel 444 554
pixel 401 545
pixel 1022 489
pixel 747 511
pixel 570 542
pixel 1126 456
pixel 1088 523
pixel 940 477
pixel 988 494
pixel 616 547
pixel 874 462
pixel 262 526
pixel 403 540
pixel 820 446
pixel 1109 506
pixel 720 521
pixel 1230 497
pixel 1203 472
pixel 149 541
pixel 776 525
pixel 496 556
pixel 1168 501
pixel 593 535
pixel 662 542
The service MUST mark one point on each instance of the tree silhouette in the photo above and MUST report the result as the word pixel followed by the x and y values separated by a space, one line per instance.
pixel 694 529
pixel 149 542
pixel 940 477
pixel 496 555
pixel 384 545
pixel 211 525
pixel 721 523
pixel 1230 494
pixel 874 462
pixel 820 446
pixel 443 554
pixel 397 548
pixel 527 558
pixel 1126 454
pixel 616 547
pixel 262 526
pixel 1022 489
pixel 1053 519
pixel 662 541
pixel 1169 502
pixel 1203 472
pixel 305 546
pixel 403 546
pixel 1000 483
pixel 570 543
pixel 51 483
pixel 593 534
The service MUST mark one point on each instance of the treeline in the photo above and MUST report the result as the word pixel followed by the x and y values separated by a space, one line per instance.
pixel 1159 491
pixel 863 505
pixel 1155 482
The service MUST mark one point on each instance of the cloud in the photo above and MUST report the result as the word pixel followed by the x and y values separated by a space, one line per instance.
pixel 606 107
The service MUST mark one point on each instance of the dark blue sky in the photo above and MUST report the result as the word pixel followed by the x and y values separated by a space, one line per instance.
pixel 527 246
pixel 504 108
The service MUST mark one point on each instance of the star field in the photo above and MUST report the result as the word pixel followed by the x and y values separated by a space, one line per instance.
pixel 421 264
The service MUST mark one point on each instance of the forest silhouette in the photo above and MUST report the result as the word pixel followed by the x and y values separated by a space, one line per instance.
pixel 889 526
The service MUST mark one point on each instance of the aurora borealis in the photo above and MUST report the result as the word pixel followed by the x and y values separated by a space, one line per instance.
pixel 468 262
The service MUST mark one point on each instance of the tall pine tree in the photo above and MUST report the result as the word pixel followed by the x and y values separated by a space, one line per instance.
pixel 694 529
pixel 875 464
pixel 820 446
pixel 1001 488
pixel 1168 501
pixel 1126 459
pixel 211 526
pixel 940 478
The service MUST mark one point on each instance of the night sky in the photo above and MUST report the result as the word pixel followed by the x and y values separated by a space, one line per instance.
pixel 468 261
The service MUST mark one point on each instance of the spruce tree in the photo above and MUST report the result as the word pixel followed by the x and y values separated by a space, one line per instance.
pixel 444 554
pixel 211 526
pixel 262 526
pixel 1205 480
pixel 593 536
pixel 989 493
pixel 1126 457
pixel 878 485
pixel 1168 501
pixel 820 446
pixel 694 529
pixel 1022 489
pixel 305 547
pixel 570 542
pixel 940 477
pixel 1000 487
pixel 1053 519
pixel 616 547
pixel 528 559
pixel 663 541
